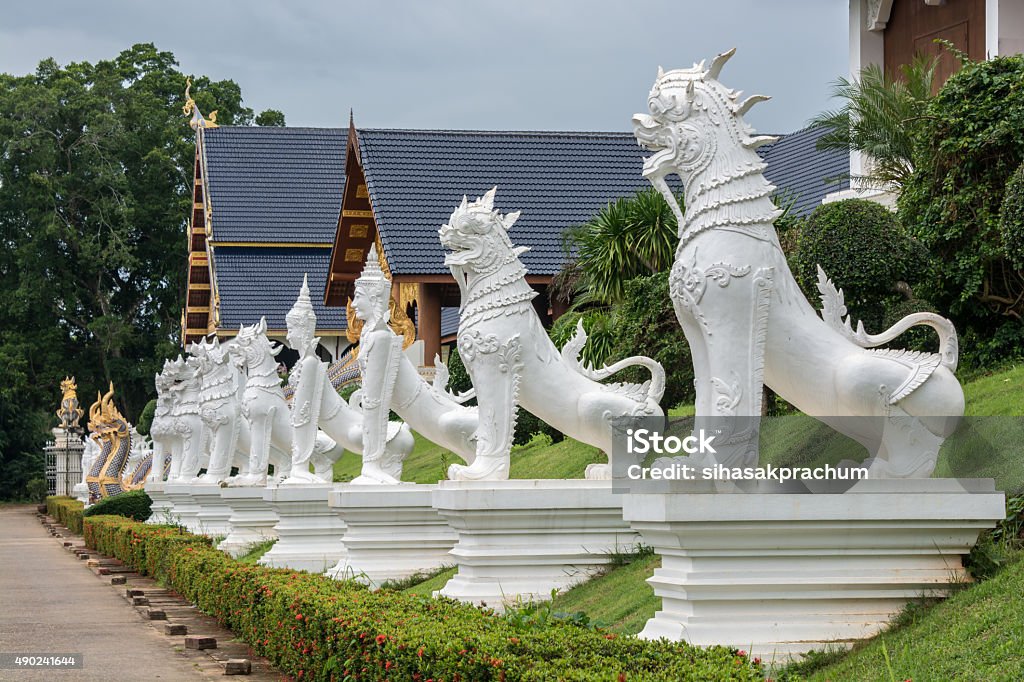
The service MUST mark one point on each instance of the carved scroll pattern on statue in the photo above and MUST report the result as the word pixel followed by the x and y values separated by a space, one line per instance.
pixel 687 282
pixel 497 426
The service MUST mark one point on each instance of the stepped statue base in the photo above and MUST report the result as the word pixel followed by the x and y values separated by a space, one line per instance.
pixel 521 539
pixel 781 574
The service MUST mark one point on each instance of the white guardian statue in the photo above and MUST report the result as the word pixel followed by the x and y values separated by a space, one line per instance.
pixel 511 359
pixel 391 382
pixel 315 403
pixel 743 314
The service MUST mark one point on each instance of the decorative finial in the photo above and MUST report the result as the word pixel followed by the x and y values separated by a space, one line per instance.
pixel 301 319
pixel 190 108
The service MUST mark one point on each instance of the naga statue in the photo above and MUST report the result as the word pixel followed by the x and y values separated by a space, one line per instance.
pixel 743 314
pixel 511 359
pixel 112 434
pixel 391 382
pixel 70 411
pixel 266 410
pixel 317 406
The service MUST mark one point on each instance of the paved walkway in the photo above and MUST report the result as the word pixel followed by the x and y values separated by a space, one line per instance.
pixel 49 603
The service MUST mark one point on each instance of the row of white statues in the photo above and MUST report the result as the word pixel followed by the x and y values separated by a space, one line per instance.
pixel 745 319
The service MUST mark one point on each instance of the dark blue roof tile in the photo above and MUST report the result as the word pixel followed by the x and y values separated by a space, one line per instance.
pixel 275 184
pixel 255 282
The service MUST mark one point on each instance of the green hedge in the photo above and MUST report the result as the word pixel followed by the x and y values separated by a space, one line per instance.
pixel 135 504
pixel 313 627
pixel 67 510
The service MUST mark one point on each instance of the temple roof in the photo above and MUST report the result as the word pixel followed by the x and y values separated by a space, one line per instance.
pixel 271 184
pixel 415 178
pixel 255 282
pixel 801 172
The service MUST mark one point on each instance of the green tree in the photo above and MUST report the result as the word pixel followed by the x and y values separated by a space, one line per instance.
pixel 880 116
pixel 964 160
pixel 95 172
pixel 271 117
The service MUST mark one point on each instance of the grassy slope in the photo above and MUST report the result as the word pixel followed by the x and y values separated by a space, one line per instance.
pixel 621 600
pixel 428 462
pixel 977 634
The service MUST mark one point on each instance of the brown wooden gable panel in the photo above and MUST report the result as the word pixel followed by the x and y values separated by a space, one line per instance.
pixel 357 229
pixel 914 26
pixel 197 297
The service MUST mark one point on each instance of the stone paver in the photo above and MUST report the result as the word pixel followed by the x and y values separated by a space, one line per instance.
pixel 50 602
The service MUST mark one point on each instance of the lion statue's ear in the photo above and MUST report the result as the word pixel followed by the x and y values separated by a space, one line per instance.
pixel 509 220
pixel 487 200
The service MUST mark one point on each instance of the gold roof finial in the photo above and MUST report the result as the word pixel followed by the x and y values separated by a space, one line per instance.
pixel 190 108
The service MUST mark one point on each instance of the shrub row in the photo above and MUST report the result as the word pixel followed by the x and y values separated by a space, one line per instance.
pixel 313 627
pixel 67 510
pixel 134 504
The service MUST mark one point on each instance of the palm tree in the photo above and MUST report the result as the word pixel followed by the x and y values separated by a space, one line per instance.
pixel 880 117
pixel 628 238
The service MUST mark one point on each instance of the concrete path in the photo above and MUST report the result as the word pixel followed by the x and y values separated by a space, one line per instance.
pixel 49 603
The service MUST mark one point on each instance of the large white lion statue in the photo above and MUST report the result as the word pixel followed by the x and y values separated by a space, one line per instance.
pixel 743 314
pixel 510 357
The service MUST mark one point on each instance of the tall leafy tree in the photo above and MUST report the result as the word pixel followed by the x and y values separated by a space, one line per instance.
pixel 95 171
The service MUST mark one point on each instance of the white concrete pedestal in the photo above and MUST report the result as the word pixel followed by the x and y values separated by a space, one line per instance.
pixel 521 539
pixel 308 531
pixel 214 513
pixel 183 510
pixel 252 519
pixel 392 532
pixel 780 574
pixel 161 505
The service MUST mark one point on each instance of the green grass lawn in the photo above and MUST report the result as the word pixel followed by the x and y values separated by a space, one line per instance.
pixel 976 634
pixel 620 600
pixel 428 462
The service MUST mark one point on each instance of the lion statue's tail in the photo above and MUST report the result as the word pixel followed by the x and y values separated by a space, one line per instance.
pixel 649 391
pixel 833 312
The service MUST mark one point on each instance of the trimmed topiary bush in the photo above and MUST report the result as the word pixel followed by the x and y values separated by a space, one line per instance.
pixel 135 504
pixel 865 252
pixel 67 511
pixel 146 418
pixel 316 628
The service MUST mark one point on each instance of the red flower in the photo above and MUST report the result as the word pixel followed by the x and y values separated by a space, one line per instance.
pixel 380 639
pixel 298 616
pixel 420 652
pixel 741 653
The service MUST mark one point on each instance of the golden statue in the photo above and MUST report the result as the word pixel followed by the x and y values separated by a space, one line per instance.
pixel 70 411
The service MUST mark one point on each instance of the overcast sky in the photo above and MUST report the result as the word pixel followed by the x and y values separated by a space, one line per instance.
pixel 509 65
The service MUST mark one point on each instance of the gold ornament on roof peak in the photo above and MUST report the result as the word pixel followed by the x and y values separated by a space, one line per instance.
pixel 190 108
